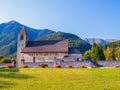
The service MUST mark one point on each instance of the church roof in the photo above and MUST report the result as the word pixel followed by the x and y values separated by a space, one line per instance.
pixel 46 46
pixel 74 51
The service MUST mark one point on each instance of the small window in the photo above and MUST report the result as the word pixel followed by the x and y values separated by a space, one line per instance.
pixel 22 61
pixel 33 59
pixel 54 57
pixel 77 59
pixel 22 37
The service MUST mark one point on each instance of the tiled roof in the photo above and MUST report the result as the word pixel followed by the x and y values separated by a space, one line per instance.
pixel 47 46
pixel 74 51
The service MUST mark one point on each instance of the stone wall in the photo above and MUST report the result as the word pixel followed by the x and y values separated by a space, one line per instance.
pixel 73 64
pixel 77 64
pixel 109 63
pixel 4 64
pixel 35 65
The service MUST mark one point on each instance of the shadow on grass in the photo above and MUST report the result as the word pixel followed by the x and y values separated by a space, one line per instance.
pixel 9 69
pixel 10 74
pixel 6 84
pixel 15 75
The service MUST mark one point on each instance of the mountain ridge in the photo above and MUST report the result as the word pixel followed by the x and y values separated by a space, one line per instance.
pixel 100 41
pixel 74 40
pixel 9 35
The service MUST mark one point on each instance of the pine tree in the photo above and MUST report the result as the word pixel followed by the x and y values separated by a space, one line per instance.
pixel 93 51
pixel 101 54
pixel 117 53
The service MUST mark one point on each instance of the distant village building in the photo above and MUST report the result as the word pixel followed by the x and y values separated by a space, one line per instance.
pixel 44 51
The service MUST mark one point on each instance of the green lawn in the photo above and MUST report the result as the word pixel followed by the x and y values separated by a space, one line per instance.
pixel 60 79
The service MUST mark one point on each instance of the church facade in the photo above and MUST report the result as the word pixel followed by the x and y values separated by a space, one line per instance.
pixel 44 51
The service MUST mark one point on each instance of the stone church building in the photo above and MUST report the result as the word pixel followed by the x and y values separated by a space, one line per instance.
pixel 44 51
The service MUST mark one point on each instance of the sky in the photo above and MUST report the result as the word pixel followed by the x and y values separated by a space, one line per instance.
pixel 85 18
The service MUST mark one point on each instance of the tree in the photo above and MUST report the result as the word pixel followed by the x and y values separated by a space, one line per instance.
pixel 109 54
pixel 97 52
pixel 1 56
pixel 117 53
pixel 86 55
pixel 101 53
pixel 93 51
pixel 4 60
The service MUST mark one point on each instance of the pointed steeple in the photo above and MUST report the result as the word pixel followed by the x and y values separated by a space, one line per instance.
pixel 22 38
pixel 23 31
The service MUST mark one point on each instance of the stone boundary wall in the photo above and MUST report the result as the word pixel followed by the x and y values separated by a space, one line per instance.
pixel 77 64
pixel 4 64
pixel 35 65
pixel 73 64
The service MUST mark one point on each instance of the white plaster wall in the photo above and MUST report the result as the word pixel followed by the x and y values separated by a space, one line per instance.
pixel 42 57
pixel 75 56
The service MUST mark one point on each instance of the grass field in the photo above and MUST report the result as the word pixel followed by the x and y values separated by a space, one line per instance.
pixel 60 79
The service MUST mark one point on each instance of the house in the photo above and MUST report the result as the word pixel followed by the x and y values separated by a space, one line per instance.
pixel 43 51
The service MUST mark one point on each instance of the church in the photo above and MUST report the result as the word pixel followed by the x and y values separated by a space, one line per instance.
pixel 44 50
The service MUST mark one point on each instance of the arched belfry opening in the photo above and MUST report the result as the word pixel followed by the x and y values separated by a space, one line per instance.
pixel 22 37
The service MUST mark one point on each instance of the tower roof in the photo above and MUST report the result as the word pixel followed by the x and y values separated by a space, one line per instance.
pixel 23 31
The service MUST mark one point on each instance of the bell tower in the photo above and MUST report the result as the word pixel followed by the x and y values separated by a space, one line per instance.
pixel 22 41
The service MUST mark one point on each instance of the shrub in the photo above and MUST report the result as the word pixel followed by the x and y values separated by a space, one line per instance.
pixel 82 66
pixel 5 60
pixel 9 66
pixel 25 66
pixel 70 66
pixel 57 66
pixel 1 57
pixel 43 65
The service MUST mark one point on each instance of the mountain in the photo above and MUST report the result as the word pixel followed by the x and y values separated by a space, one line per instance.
pixel 112 45
pixel 99 41
pixel 111 40
pixel 74 41
pixel 9 34
pixel 96 40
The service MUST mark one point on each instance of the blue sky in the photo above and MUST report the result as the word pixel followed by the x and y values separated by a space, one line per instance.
pixel 85 18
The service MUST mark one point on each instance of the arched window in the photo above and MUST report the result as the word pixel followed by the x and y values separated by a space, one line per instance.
pixel 33 59
pixel 77 59
pixel 22 37
pixel 22 61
